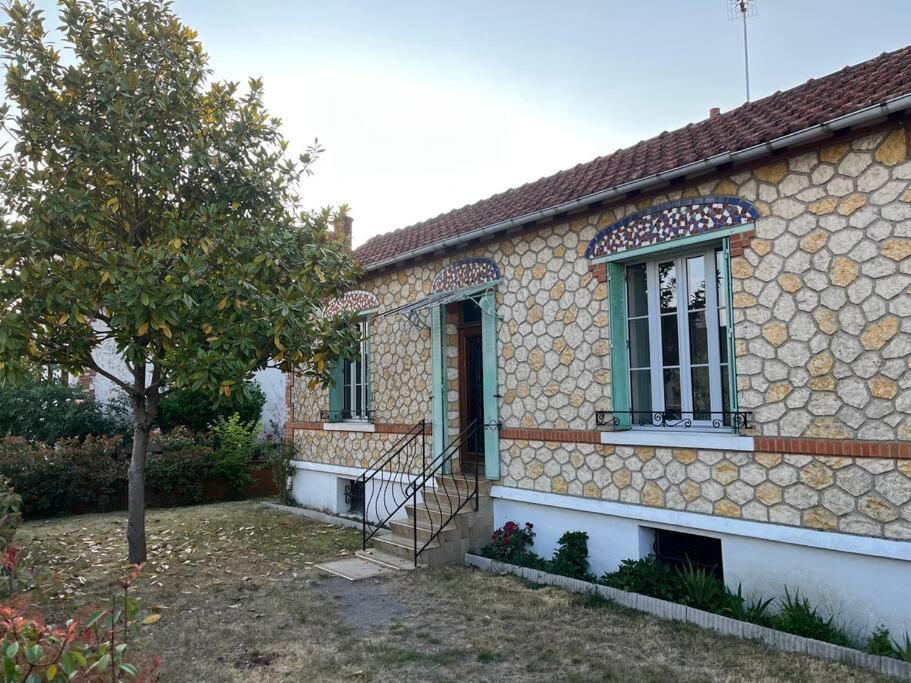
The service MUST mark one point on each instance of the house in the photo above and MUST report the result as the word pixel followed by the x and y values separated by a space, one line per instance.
pixel 699 345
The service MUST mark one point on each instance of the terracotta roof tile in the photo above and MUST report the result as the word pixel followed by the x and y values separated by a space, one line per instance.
pixel 818 100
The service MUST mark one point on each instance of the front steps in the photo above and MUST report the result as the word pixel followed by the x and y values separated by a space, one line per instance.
pixel 468 531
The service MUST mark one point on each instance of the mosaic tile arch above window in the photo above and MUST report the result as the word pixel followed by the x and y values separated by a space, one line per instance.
pixel 673 220
pixel 353 302
pixel 465 273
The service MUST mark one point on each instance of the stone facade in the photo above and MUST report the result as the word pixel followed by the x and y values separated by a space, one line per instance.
pixel 870 496
pixel 822 312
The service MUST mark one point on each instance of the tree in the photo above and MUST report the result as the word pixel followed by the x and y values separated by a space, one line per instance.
pixel 146 203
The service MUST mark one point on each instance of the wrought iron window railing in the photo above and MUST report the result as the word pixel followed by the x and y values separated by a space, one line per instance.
pixel 346 415
pixel 700 420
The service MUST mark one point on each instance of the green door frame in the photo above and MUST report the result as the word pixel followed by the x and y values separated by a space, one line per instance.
pixel 489 360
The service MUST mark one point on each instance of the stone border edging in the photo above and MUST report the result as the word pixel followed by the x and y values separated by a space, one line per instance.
pixel 315 515
pixel 720 624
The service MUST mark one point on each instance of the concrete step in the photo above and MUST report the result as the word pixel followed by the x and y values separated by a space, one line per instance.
pixel 448 500
pixel 385 560
pixel 461 519
pixel 405 529
pixel 402 547
pixel 448 481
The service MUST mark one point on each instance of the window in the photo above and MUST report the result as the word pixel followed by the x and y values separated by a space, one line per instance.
pixel 679 549
pixel 677 327
pixel 354 381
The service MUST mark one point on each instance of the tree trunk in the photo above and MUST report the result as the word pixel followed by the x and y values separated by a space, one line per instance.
pixel 136 524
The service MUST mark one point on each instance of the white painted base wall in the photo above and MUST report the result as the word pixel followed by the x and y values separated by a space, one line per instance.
pixel 863 589
pixel 322 487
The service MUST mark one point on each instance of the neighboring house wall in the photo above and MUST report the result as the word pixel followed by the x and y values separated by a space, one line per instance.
pixel 271 380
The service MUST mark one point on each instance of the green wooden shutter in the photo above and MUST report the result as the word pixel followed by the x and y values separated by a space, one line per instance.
pixel 619 347
pixel 732 360
pixel 491 399
pixel 367 366
pixel 438 417
pixel 336 400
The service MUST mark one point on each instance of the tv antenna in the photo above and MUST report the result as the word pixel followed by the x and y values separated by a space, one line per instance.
pixel 741 9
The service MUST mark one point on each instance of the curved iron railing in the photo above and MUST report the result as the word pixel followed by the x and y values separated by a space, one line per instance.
pixel 700 420
pixel 443 491
pixel 386 485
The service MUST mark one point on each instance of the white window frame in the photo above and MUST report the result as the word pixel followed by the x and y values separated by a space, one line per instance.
pixel 358 383
pixel 717 372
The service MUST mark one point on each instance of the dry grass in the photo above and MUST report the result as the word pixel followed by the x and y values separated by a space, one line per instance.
pixel 241 600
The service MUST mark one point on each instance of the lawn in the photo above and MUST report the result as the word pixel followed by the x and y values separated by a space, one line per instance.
pixel 241 600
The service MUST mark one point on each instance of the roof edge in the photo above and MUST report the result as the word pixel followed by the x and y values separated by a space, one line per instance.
pixel 813 133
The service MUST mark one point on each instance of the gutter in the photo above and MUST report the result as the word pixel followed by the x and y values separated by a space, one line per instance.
pixel 817 132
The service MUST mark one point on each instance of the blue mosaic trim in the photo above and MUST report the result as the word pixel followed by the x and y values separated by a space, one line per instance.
pixel 465 273
pixel 352 302
pixel 672 220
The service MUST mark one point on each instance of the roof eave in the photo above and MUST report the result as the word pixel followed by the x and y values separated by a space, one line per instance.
pixel 813 133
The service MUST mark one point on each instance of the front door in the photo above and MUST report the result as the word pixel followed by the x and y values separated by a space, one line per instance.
pixel 471 386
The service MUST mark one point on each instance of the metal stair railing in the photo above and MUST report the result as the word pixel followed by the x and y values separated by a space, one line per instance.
pixel 448 497
pixel 386 484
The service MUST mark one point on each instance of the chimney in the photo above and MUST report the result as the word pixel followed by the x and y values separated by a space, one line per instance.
pixel 343 229
pixel 714 111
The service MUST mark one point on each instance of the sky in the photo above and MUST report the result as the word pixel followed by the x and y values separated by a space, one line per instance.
pixel 424 106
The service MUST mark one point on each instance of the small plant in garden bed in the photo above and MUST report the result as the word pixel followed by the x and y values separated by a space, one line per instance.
pixel 648 576
pixel 571 556
pixel 796 615
pixel 511 543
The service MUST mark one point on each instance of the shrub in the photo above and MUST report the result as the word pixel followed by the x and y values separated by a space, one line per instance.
pixel 280 457
pixel 701 589
pixel 880 642
pixel 571 556
pixel 234 443
pixel 50 410
pixel 755 611
pixel 10 519
pixel 177 476
pixel 511 542
pixel 72 476
pixel 902 651
pixel 799 617
pixel 648 576
pixel 196 409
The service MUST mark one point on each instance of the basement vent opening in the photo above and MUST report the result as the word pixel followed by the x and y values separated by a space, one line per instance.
pixel 675 548
pixel 354 495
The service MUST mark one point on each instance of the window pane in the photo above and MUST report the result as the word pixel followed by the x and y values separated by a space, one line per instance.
pixel 723 334
pixel 699 339
pixel 695 272
pixel 637 291
pixel 639 343
pixel 667 281
pixel 672 393
pixel 670 345
pixel 702 400
pixel 641 385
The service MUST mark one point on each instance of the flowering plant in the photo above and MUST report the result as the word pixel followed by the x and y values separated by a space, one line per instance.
pixel 510 542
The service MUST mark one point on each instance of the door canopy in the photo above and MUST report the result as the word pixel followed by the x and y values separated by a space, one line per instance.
pixel 670 221
pixel 352 302
pixel 469 272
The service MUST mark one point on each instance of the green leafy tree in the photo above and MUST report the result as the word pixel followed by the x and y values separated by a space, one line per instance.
pixel 145 203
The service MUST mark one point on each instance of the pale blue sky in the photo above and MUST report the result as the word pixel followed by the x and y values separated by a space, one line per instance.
pixel 424 106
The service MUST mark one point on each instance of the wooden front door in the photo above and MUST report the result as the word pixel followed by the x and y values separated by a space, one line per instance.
pixel 471 387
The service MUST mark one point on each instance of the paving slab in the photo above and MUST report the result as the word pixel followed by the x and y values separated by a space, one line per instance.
pixel 354 569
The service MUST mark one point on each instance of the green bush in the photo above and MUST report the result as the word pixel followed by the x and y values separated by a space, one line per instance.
pixel 799 617
pixel 754 611
pixel 72 476
pixel 880 642
pixel 234 444
pixel 571 557
pixel 198 410
pixel 176 477
pixel 510 543
pixel 648 576
pixel 279 457
pixel 902 651
pixel 701 589
pixel 49 411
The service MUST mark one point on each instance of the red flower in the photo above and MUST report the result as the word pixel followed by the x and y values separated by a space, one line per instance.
pixel 510 527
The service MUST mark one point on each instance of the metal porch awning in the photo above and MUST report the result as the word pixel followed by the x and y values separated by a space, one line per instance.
pixel 410 310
